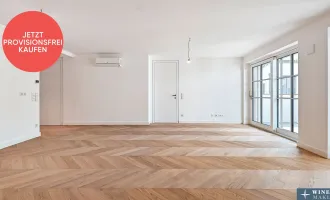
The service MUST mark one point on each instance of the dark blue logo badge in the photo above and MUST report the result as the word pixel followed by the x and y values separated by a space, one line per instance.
pixel 313 193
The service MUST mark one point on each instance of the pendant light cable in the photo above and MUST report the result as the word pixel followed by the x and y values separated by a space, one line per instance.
pixel 189 59
pixel 42 4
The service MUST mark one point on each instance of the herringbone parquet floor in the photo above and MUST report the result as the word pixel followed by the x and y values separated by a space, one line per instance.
pixel 163 162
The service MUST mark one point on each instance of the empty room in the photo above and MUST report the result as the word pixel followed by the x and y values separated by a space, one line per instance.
pixel 164 100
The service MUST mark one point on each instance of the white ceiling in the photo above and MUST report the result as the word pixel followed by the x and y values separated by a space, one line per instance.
pixel 221 28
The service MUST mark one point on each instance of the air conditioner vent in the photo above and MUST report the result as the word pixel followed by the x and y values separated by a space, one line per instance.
pixel 108 62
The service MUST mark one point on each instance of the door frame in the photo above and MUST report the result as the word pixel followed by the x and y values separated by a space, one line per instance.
pixel 177 88
pixel 61 91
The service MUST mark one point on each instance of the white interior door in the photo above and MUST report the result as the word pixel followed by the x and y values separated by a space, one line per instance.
pixel 165 91
pixel 51 95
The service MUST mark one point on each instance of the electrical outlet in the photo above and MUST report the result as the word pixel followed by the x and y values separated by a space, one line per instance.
pixel 218 115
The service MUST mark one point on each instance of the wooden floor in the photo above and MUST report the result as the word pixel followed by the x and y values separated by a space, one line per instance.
pixel 165 162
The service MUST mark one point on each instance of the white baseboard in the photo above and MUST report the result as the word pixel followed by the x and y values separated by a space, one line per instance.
pixel 317 151
pixel 18 140
pixel 95 123
pixel 208 122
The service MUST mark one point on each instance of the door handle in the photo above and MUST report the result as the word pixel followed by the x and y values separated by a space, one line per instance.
pixel 174 95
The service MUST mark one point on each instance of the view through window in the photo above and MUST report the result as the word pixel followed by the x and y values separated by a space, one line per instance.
pixel 287 93
pixel 261 94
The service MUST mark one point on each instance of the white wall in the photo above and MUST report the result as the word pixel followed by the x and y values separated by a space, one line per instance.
pixel 100 95
pixel 328 121
pixel 51 95
pixel 209 86
pixel 19 115
pixel 105 95
pixel 313 82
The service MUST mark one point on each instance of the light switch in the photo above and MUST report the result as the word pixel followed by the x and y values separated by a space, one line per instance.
pixel 34 97
pixel 37 97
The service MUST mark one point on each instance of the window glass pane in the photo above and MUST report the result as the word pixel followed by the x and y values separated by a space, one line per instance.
pixel 295 64
pixel 266 71
pixel 295 116
pixel 256 89
pixel 288 88
pixel 284 114
pixel 295 87
pixel 284 65
pixel 266 88
pixel 256 73
pixel 284 88
pixel 266 113
pixel 256 110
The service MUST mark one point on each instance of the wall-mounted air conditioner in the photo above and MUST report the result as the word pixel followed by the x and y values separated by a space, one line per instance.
pixel 108 62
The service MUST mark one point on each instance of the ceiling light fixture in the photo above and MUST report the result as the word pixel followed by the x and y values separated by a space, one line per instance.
pixel 189 59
